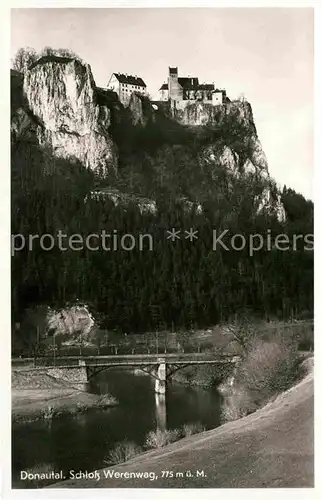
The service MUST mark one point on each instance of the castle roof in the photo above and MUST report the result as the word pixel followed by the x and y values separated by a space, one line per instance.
pixel 130 79
pixel 186 83
pixel 206 86
pixel 190 84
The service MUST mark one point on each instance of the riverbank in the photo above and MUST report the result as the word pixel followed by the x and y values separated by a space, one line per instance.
pixel 272 447
pixel 38 396
pixel 206 376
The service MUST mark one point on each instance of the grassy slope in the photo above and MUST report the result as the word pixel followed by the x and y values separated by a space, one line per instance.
pixel 273 447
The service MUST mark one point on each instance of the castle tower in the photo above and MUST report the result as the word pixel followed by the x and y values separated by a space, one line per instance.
pixel 175 89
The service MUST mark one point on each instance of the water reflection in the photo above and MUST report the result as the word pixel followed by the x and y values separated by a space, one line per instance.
pixel 161 411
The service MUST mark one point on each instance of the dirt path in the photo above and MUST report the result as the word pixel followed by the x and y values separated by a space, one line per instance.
pixel 270 448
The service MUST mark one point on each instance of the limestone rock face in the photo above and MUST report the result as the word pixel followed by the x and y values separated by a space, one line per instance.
pixel 239 149
pixel 136 108
pixel 60 93
pixel 229 159
pixel 22 126
pixel 72 321
pixel 196 114
pixel 141 110
pixel 232 115
pixel 118 198
pixel 268 201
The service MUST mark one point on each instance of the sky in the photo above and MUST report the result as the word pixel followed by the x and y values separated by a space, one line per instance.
pixel 265 54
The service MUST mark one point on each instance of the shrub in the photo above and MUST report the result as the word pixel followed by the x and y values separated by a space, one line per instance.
pixel 267 369
pixel 237 405
pixel 305 337
pixel 122 452
pixel 159 438
pixel 190 429
pixel 202 376
pixel 81 407
pixel 48 413
pixel 299 332
pixel 106 400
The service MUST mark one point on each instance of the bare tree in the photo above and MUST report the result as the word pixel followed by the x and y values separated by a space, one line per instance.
pixel 243 328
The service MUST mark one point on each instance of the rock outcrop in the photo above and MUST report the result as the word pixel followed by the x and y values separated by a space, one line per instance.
pixel 236 147
pixel 268 201
pixel 60 95
pixel 142 111
pixel 124 199
pixel 232 114
pixel 136 108
pixel 71 322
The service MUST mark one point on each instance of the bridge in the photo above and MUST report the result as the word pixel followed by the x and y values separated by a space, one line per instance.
pixel 81 369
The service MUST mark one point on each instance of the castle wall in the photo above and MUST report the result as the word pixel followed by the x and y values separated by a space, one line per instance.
pixel 181 105
pixel 175 89
pixel 163 95
pixel 217 98
pixel 124 90
pixel 114 84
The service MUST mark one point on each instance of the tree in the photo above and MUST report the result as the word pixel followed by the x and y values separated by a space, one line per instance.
pixel 24 58
pixel 47 51
pixel 67 53
pixel 34 327
pixel 243 327
pixel 50 51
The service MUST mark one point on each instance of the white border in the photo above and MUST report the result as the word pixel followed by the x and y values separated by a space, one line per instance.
pixel 5 471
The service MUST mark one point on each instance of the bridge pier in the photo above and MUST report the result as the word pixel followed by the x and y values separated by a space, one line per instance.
pixel 161 380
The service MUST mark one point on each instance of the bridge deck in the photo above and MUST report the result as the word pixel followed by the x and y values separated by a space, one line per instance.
pixel 128 360
pixel 138 363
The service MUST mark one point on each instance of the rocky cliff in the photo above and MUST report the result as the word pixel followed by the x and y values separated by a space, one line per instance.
pixel 233 144
pixel 236 114
pixel 58 105
pixel 60 108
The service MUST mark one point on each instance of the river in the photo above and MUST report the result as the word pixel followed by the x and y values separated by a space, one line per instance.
pixel 83 441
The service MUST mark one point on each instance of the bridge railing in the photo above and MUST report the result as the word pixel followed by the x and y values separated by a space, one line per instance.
pixel 57 361
pixel 115 349
pixel 127 359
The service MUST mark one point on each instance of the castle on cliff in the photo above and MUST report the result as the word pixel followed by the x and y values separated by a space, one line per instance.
pixel 178 91
pixel 181 90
